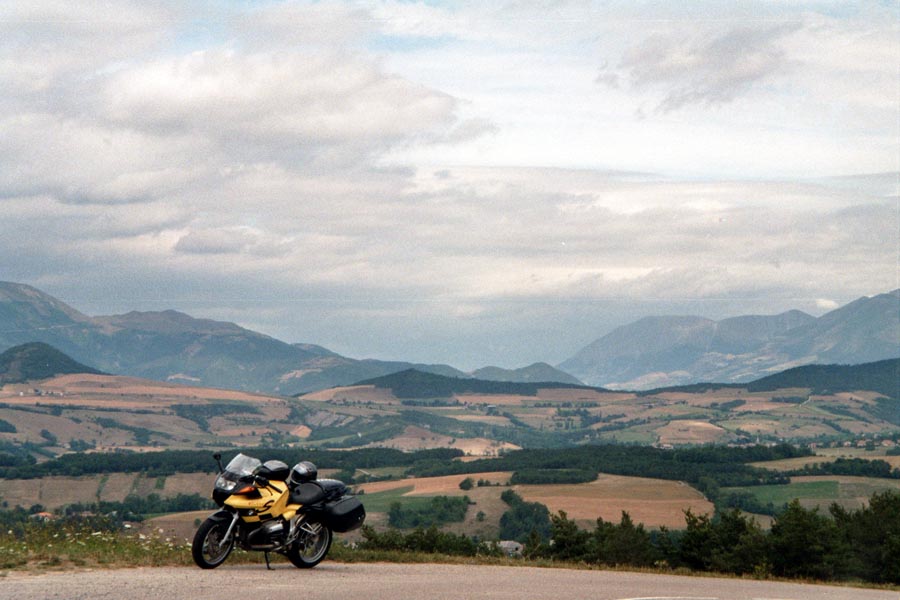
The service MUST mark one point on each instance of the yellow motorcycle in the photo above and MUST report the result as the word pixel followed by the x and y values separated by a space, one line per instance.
pixel 269 507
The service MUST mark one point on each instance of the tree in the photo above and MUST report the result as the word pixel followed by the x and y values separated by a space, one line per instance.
pixel 569 542
pixel 623 544
pixel 739 545
pixel 807 544
pixel 523 519
pixel 696 541
pixel 873 534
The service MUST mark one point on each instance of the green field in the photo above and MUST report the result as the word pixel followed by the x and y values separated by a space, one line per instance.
pixel 381 501
pixel 782 494
pixel 822 491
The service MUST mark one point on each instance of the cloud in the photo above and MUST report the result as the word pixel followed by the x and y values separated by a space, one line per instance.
pixel 232 240
pixel 99 110
pixel 826 304
pixel 276 101
pixel 702 68
pixel 436 182
pixel 80 159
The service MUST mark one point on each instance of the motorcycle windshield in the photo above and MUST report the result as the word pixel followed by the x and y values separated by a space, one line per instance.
pixel 242 465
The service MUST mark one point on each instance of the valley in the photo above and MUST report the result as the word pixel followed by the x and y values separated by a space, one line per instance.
pixel 75 438
pixel 108 413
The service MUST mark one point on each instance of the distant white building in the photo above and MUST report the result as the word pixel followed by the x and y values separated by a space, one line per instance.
pixel 511 548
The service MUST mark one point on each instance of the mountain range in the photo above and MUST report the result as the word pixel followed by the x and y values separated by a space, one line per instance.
pixel 677 350
pixel 172 346
pixel 653 352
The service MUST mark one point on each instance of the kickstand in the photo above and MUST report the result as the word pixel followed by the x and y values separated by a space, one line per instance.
pixel 268 566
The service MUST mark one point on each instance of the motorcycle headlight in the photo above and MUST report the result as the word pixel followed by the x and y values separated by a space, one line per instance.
pixel 225 484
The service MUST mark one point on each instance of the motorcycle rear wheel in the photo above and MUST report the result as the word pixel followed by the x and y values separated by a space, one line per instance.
pixel 311 546
pixel 206 549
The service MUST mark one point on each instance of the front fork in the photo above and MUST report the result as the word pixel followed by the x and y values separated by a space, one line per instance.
pixel 225 538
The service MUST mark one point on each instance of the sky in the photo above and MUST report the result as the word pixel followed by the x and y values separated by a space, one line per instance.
pixel 471 183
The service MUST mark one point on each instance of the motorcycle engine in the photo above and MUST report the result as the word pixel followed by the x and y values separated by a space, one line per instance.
pixel 268 536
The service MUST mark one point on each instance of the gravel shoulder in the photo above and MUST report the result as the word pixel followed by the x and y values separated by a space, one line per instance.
pixel 390 581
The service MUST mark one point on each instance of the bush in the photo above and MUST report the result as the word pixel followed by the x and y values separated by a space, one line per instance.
pixel 430 540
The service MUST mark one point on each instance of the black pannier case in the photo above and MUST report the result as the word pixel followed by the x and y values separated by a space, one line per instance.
pixel 345 514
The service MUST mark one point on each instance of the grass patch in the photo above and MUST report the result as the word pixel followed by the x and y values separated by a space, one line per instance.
pixel 778 495
pixel 63 546
pixel 392 472
pixel 39 546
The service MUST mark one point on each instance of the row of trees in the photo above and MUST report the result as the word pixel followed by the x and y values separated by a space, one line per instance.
pixel 724 465
pixel 552 476
pixel 861 544
pixel 18 465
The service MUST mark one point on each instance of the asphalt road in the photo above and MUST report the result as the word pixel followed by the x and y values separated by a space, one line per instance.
pixel 380 581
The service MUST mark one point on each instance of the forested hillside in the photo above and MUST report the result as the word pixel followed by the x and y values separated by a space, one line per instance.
pixel 413 383
pixel 36 361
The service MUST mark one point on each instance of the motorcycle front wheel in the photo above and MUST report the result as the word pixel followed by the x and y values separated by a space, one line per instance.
pixel 311 546
pixel 208 550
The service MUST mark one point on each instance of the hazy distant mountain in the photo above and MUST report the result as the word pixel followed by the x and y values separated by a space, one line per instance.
pixel 173 346
pixel 665 351
pixel 653 352
pixel 35 361
pixel 866 330
pixel 29 315
pixel 537 372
